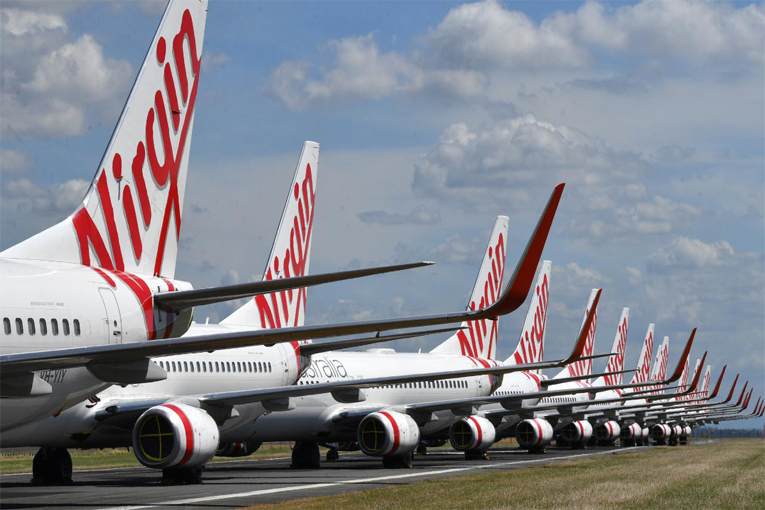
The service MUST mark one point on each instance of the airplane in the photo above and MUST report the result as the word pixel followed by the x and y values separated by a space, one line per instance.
pixel 90 301
pixel 222 393
pixel 105 276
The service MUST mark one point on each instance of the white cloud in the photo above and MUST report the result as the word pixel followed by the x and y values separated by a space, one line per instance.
pixel 213 60
pixel 486 35
pixel 23 195
pixel 13 162
pixel 361 71
pixel 693 253
pixel 48 81
pixel 471 166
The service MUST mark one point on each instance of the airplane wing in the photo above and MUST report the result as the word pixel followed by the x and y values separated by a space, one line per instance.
pixel 182 299
pixel 111 356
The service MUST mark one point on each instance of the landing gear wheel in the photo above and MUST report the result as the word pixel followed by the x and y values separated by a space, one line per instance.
pixel 182 476
pixel 333 455
pixel 422 449
pixel 484 455
pixel 52 466
pixel 306 455
pixel 397 461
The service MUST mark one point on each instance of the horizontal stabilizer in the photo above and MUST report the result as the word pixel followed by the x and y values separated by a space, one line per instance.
pixel 181 300
pixel 318 347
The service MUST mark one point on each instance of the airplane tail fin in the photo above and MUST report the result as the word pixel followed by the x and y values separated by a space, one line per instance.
pixel 643 368
pixel 584 367
pixel 130 218
pixel 660 363
pixel 531 345
pixel 290 254
pixel 684 377
pixel 616 360
pixel 479 338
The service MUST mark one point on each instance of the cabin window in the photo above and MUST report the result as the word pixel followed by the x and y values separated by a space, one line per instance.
pixel 249 366
pixel 19 326
pixel 76 324
pixel 31 326
pixel 54 327
pixel 269 366
pixel 65 325
pixel 185 366
pixel 43 327
pixel 7 325
pixel 259 367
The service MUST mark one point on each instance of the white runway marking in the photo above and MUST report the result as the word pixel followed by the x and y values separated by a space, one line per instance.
pixel 261 492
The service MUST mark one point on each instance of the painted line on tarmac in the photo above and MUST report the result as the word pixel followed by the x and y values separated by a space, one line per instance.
pixel 277 490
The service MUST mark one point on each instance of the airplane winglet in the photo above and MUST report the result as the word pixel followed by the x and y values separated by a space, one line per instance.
pixel 732 389
pixel 717 386
pixel 518 288
pixel 686 352
pixel 741 397
pixel 583 332
pixel 748 397
pixel 697 375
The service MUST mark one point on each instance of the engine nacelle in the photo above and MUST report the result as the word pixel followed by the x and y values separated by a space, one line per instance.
pixel 687 431
pixel 387 433
pixel 237 449
pixel 646 434
pixel 175 435
pixel 577 432
pixel 534 433
pixel 675 431
pixel 660 432
pixel 632 432
pixel 607 432
pixel 472 434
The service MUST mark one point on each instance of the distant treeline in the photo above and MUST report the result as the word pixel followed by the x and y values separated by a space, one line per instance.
pixel 717 432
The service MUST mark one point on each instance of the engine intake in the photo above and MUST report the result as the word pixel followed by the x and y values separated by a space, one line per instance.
pixel 607 432
pixel 388 433
pixel 175 435
pixel 632 432
pixel 660 432
pixel 577 432
pixel 472 434
pixel 535 433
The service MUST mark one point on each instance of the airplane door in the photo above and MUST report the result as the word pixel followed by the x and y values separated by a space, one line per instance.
pixel 113 319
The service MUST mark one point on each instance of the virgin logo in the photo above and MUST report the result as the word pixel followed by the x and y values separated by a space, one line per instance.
pixel 483 333
pixel 282 309
pixel 584 367
pixel 164 173
pixel 616 362
pixel 645 362
pixel 531 347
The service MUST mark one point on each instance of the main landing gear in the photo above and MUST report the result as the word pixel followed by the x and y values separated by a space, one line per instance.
pixel 52 466
pixel 397 461
pixel 182 476
pixel 305 455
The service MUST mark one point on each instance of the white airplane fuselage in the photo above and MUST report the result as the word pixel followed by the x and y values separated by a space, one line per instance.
pixel 55 305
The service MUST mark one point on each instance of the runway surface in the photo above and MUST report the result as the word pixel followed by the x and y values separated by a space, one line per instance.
pixel 249 482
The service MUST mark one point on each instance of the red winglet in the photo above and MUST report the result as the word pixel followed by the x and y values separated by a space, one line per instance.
pixel 582 340
pixel 741 397
pixel 732 389
pixel 717 386
pixel 697 375
pixel 748 397
pixel 686 352
pixel 520 284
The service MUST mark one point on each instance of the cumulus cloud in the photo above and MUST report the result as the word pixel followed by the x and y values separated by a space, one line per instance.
pixel 362 71
pixel 214 60
pixel 13 162
pixel 485 34
pixel 420 215
pixel 471 165
pixel 48 80
pixel 23 195
pixel 692 253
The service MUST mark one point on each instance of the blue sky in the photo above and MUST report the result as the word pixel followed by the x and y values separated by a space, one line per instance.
pixel 436 117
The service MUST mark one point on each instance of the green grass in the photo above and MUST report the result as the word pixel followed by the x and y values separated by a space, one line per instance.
pixel 724 475
pixel 120 457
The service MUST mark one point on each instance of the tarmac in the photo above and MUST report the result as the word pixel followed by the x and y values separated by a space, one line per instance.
pixel 242 483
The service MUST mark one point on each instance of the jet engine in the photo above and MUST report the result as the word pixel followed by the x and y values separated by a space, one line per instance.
pixel 534 434
pixel 646 436
pixel 472 434
pixel 388 433
pixel 630 434
pixel 175 436
pixel 660 433
pixel 685 434
pixel 577 433
pixel 237 449
pixel 608 432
